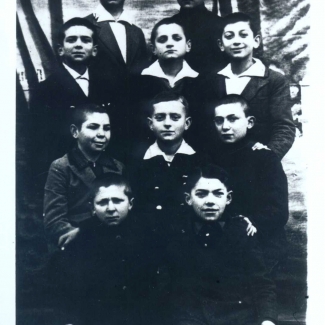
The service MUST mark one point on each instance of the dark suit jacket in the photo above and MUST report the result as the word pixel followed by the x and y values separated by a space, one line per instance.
pixel 66 192
pixel 269 100
pixel 113 75
pixel 203 28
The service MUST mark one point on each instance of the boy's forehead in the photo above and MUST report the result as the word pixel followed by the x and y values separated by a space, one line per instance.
pixel 169 29
pixel 228 109
pixel 112 190
pixel 209 184
pixel 237 26
pixel 78 30
pixel 169 107
pixel 96 117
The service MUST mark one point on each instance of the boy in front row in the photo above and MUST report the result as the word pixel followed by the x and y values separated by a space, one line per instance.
pixel 260 184
pixel 217 271
pixel 266 91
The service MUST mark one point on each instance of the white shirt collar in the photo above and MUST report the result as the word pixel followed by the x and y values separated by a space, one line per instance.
pixel 256 70
pixel 155 70
pixel 75 74
pixel 101 14
pixel 154 151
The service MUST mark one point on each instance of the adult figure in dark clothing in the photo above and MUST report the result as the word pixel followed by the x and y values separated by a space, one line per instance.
pixel 122 53
pixel 217 270
pixel 203 28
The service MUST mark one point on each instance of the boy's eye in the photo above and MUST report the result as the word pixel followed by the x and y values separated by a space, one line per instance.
pixel 107 128
pixel 218 120
pixel 71 39
pixel 177 37
pixel 86 39
pixel 102 202
pixel 243 34
pixel 218 194
pixel 228 35
pixel 162 39
pixel 117 201
pixel 175 117
pixel 160 117
pixel 232 119
pixel 92 126
pixel 201 194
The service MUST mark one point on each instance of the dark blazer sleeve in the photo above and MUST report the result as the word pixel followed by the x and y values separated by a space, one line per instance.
pixel 271 193
pixel 283 129
pixel 56 202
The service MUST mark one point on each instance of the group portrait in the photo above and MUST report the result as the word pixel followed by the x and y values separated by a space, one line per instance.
pixel 160 175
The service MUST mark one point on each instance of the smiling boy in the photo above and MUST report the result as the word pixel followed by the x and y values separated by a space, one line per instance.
pixel 259 182
pixel 266 91
pixel 218 273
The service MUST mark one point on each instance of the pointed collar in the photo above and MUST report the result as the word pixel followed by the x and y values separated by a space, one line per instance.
pixel 256 70
pixel 155 70
pixel 101 14
pixel 77 158
pixel 154 151
pixel 75 74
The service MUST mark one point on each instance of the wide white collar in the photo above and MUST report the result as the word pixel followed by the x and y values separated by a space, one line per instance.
pixel 101 14
pixel 256 70
pixel 154 151
pixel 155 70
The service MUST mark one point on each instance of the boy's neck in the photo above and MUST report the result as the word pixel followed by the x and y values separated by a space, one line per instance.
pixel 169 148
pixel 115 11
pixel 171 67
pixel 239 66
pixel 90 156
pixel 79 67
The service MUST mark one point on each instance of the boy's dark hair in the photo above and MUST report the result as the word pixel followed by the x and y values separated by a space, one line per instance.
pixel 238 17
pixel 78 113
pixel 77 21
pixel 233 99
pixel 166 21
pixel 207 171
pixel 107 180
pixel 167 96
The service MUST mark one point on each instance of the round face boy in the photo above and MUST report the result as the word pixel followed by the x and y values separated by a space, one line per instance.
pixel 169 121
pixel 190 3
pixel 238 40
pixel 208 198
pixel 170 42
pixel 78 45
pixel 112 205
pixel 94 133
pixel 231 122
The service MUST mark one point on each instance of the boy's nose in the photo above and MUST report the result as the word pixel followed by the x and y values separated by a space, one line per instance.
pixel 110 206
pixel 225 125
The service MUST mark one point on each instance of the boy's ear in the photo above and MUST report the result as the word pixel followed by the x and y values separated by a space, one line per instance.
pixel 188 199
pixel 153 48
pixel 251 121
pixel 131 203
pixel 74 131
pixel 229 197
pixel 220 45
pixel 188 45
pixel 257 40
pixel 188 122
pixel 95 50
pixel 149 120
pixel 60 50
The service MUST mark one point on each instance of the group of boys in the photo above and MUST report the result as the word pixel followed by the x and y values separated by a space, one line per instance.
pixel 209 201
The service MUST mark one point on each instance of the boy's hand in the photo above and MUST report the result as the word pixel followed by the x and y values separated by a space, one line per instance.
pixel 65 239
pixel 251 230
pixel 259 146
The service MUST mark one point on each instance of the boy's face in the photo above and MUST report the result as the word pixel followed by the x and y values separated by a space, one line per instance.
pixel 78 45
pixel 94 133
pixel 170 42
pixel 231 122
pixel 190 3
pixel 112 205
pixel 238 40
pixel 168 121
pixel 209 198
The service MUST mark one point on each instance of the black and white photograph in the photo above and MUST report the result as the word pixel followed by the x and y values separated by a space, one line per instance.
pixel 160 162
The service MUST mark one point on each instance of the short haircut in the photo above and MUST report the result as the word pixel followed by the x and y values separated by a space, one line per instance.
pixel 233 99
pixel 79 113
pixel 166 21
pixel 207 171
pixel 238 17
pixel 77 21
pixel 167 96
pixel 109 179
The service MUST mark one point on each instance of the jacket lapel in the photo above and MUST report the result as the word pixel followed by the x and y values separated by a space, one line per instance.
pixel 132 43
pixel 86 175
pixel 254 85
